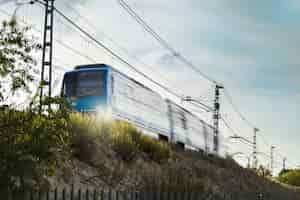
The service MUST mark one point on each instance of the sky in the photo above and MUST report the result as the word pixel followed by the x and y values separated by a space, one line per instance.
pixel 249 46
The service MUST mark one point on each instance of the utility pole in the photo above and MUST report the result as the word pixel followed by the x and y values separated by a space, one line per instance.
pixel 255 148
pixel 248 163
pixel 272 159
pixel 216 117
pixel 283 164
pixel 46 73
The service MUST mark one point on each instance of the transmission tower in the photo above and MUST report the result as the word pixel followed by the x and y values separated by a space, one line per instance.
pixel 272 159
pixel 216 117
pixel 283 164
pixel 255 148
pixel 46 73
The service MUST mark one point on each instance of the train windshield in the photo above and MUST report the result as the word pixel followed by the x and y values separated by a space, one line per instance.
pixel 85 83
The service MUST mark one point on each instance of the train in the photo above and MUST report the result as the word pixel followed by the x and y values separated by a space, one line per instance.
pixel 102 88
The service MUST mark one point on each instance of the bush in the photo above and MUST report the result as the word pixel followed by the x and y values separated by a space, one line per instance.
pixel 157 150
pixel 31 143
pixel 126 140
pixel 291 177
pixel 123 144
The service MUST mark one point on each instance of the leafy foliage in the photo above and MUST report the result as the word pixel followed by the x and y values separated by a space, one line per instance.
pixel 16 58
pixel 291 177
pixel 262 171
pixel 31 143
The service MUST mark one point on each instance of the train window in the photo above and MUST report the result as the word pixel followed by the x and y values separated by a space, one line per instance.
pixel 129 91
pixel 69 88
pixel 90 83
pixel 112 84
pixel 81 84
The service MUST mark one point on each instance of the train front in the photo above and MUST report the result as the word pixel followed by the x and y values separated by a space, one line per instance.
pixel 86 88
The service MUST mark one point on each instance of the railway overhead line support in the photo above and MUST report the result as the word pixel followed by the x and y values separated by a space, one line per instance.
pixel 46 71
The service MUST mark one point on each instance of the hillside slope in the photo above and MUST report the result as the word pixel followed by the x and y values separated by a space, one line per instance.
pixel 61 149
pixel 115 155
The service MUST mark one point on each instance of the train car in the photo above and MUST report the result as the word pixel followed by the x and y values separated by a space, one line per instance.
pixel 101 88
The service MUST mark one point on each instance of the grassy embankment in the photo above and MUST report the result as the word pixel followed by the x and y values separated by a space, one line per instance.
pixel 93 152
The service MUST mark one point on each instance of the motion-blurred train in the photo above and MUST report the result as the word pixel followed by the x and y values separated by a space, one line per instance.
pixel 100 87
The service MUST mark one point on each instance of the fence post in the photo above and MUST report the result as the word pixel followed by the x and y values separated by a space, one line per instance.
pixel 117 195
pixel 72 192
pixel 102 195
pixel 79 194
pixel 87 194
pixel 192 195
pixel 95 195
pixel 64 194
pixel 157 195
pixel 30 195
pixel 39 195
pixel 182 195
pixel 55 194
pixel 48 195
pixel 109 194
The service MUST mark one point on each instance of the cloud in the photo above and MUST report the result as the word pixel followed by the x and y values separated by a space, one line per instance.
pixel 2 2
pixel 251 46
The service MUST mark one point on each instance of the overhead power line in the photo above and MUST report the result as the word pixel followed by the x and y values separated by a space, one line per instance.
pixel 229 127
pixel 162 41
pixel 122 48
pixel 60 42
pixel 176 54
pixel 112 53
pixel 235 108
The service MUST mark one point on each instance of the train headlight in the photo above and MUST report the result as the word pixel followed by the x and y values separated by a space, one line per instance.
pixel 104 113
pixel 99 109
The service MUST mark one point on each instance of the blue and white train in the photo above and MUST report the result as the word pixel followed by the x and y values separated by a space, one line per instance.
pixel 101 87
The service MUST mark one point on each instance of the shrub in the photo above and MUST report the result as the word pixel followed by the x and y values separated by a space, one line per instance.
pixel 123 145
pixel 157 150
pixel 291 177
pixel 126 140
pixel 31 143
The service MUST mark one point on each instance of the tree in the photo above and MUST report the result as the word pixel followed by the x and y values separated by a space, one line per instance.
pixel 17 64
pixel 262 171
pixel 32 144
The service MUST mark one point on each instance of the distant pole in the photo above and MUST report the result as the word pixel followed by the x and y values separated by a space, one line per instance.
pixel 283 164
pixel 272 159
pixel 248 164
pixel 255 149
pixel 46 72
pixel 216 118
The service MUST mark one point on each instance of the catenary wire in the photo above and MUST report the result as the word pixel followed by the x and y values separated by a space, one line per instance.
pixel 112 53
pixel 163 42
pixel 122 48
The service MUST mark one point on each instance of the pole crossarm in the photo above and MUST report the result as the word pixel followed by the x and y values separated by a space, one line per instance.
pixel 241 138
pixel 190 99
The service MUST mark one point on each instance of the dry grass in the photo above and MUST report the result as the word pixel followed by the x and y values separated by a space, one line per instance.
pixel 126 159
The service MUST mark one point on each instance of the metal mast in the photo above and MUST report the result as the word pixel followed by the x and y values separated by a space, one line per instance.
pixel 216 117
pixel 46 73
pixel 255 148
pixel 272 159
